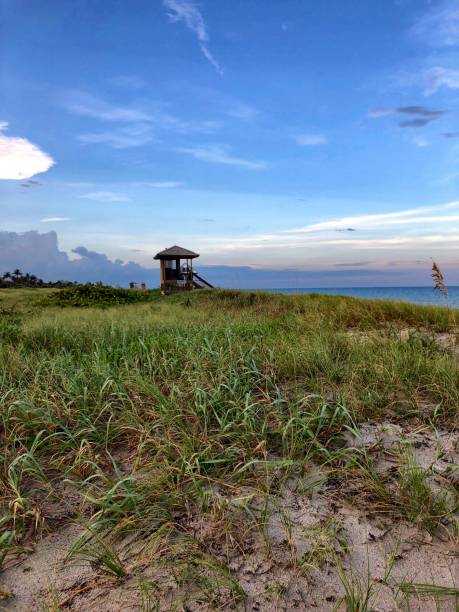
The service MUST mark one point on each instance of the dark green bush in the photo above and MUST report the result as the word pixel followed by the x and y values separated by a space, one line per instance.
pixel 99 295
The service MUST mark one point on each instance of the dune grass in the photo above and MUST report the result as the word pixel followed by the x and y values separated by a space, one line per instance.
pixel 150 412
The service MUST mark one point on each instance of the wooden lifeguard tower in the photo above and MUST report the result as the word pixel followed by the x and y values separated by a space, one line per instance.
pixel 178 276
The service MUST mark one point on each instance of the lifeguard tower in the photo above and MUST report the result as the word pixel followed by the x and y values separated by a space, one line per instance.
pixel 176 270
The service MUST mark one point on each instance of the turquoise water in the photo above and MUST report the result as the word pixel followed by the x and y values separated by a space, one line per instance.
pixel 417 295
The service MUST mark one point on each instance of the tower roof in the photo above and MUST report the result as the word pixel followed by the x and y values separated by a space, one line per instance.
pixel 176 252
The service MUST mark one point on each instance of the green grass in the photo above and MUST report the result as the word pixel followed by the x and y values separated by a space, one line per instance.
pixel 205 393
pixel 409 494
pixel 418 502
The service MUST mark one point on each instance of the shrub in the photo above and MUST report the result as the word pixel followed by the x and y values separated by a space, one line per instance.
pixel 98 295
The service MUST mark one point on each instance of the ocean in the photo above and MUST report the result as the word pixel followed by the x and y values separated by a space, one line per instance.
pixel 417 295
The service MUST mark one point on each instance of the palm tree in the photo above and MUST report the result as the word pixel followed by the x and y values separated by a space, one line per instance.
pixel 17 274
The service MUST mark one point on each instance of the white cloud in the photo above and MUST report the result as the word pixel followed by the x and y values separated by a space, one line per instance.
pixel 188 13
pixel 54 219
pixel 441 77
pixel 310 140
pixel 84 104
pixel 105 196
pixel 19 158
pixel 219 154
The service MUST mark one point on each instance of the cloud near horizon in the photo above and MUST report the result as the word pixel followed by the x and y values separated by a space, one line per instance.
pixel 380 235
pixel 379 220
pixel 19 158
pixel 39 254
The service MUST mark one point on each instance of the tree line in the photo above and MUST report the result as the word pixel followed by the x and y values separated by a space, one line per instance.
pixel 19 279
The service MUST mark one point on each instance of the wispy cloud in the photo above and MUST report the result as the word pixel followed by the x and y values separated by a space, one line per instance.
pixel 19 158
pixel 419 115
pixel 54 219
pixel 414 110
pixel 440 77
pixel 82 103
pixel 188 13
pixel 310 140
pixel 133 135
pixel 419 110
pixel 105 196
pixel 379 220
pixel 421 141
pixel 416 123
pixel 30 184
pixel 375 113
pixel 163 184
pixel 398 241
pixel 451 134
pixel 219 154
pixel 439 27
pixel 353 264
pixel 382 231
pixel 240 110
pixel 205 126
pixel 76 184
pixel 133 127
pixel 128 81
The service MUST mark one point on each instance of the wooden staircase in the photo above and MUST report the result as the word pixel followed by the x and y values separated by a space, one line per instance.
pixel 201 283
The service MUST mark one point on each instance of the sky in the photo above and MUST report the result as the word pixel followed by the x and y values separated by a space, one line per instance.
pixel 290 143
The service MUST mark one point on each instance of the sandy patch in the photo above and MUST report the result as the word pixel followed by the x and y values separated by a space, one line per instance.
pixel 310 525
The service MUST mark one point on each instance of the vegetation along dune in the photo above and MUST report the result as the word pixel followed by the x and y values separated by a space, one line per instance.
pixel 227 450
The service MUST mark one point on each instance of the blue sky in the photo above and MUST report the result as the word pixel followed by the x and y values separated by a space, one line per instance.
pixel 318 137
